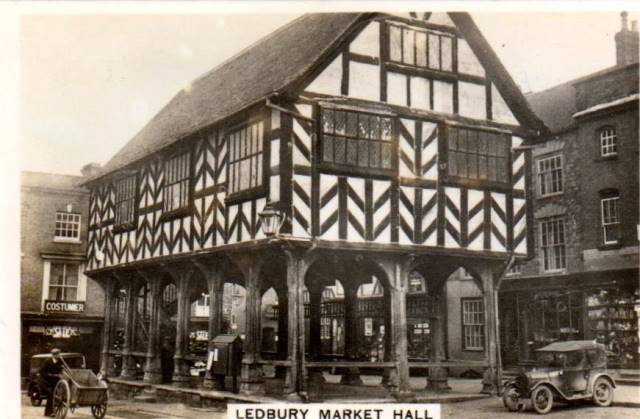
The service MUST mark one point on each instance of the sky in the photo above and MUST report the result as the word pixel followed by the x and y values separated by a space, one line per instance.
pixel 89 83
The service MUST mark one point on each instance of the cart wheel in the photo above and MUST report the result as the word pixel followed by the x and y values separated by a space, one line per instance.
pixel 602 392
pixel 511 398
pixel 99 410
pixel 34 395
pixel 542 399
pixel 61 396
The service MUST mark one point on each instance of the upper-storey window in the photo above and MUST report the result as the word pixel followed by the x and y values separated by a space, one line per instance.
pixel 610 219
pixel 552 244
pixel 125 201
pixel 477 154
pixel 175 193
pixel 356 139
pixel 608 142
pixel 67 226
pixel 421 48
pixel 550 175
pixel 245 157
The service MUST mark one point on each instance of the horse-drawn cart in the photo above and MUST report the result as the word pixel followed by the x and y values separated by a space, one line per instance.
pixel 79 388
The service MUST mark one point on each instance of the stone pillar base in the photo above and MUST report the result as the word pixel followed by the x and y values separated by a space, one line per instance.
pixel 213 381
pixel 128 371
pixel 404 396
pixel 251 381
pixel 153 371
pixel 181 376
pixel 488 382
pixel 387 378
pixel 437 380
pixel 351 377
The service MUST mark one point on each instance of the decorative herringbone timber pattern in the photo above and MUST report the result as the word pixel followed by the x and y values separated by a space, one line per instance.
pixel 498 222
pixel 429 153
pixel 518 179
pixel 301 137
pixel 475 219
pixel 301 213
pixel 452 212
pixel 329 208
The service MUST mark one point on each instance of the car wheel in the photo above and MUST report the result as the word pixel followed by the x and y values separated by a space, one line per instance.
pixel 602 392
pixel 34 396
pixel 542 399
pixel 511 398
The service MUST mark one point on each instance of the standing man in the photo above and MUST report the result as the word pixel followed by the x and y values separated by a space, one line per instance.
pixel 50 374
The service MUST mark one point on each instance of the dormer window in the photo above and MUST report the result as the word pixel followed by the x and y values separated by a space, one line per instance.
pixel 420 48
pixel 608 142
pixel 175 193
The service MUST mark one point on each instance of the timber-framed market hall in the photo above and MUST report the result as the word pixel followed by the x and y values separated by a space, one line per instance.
pixel 350 148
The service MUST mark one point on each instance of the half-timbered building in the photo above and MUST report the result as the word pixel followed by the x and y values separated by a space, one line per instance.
pixel 346 146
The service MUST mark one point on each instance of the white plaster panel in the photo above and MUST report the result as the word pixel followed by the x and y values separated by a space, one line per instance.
pixel 442 97
pixel 329 80
pixel 472 100
pixel 364 81
pixel 468 63
pixel 368 41
pixel 499 108
pixel 420 93
pixel 397 89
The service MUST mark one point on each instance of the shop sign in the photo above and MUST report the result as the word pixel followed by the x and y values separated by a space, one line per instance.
pixel 61 331
pixel 368 326
pixel 54 306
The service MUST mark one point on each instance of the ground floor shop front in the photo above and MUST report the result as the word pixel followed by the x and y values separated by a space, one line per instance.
pixel 70 333
pixel 602 305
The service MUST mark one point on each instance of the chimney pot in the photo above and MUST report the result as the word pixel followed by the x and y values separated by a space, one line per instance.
pixel 623 21
pixel 90 169
pixel 634 25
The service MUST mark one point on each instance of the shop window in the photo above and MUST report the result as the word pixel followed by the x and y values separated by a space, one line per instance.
pixel 478 155
pixel 550 175
pixel 246 158
pixel 608 142
pixel 63 281
pixel 67 226
pixel 610 219
pixel 416 283
pixel 175 192
pixel 125 202
pixel 473 324
pixel 325 328
pixel 552 243
pixel 356 139
pixel 420 48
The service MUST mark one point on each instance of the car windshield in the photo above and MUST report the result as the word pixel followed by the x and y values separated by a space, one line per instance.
pixel 552 359
pixel 74 361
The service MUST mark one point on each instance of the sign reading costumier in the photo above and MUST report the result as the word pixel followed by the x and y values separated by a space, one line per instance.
pixel 54 306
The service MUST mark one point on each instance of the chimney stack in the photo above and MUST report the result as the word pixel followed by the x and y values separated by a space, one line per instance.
pixel 90 169
pixel 627 42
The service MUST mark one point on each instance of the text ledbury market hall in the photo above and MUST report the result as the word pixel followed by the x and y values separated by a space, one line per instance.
pixel 333 411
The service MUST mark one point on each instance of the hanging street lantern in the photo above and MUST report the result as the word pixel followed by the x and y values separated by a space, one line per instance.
pixel 271 220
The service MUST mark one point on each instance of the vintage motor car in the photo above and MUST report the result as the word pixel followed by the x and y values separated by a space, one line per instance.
pixel 567 371
pixel 36 391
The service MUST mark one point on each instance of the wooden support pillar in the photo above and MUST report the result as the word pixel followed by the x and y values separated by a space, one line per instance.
pixel 181 275
pixel 490 377
pixel 153 367
pixel 215 285
pixel 106 359
pixel 281 371
pixel 129 370
pixel 315 340
pixel 295 378
pixel 351 376
pixel 251 380
pixel 399 284
pixel 437 378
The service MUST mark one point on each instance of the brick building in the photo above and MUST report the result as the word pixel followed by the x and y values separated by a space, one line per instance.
pixel 583 280
pixel 60 306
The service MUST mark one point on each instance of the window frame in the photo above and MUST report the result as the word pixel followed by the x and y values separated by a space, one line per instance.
pixel 464 326
pixel 61 239
pixel 456 180
pixel 64 286
pixel 539 174
pixel 187 208
pixel 129 225
pixel 542 222
pixel 616 198
pixel 428 34
pixel 347 168
pixel 258 190
pixel 614 144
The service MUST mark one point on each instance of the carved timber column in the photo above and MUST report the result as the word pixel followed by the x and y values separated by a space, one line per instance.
pixel 106 359
pixel 437 378
pixel 397 271
pixel 251 380
pixel 281 371
pixel 315 288
pixel 181 275
pixel 296 270
pixel 128 362
pixel 490 377
pixel 215 284
pixel 153 367
pixel 351 375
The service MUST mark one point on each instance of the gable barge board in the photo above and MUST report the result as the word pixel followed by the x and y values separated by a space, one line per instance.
pixel 385 17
